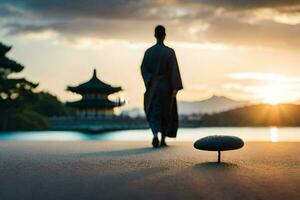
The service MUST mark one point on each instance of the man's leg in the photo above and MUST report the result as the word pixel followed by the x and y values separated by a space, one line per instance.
pixel 163 140
pixel 155 141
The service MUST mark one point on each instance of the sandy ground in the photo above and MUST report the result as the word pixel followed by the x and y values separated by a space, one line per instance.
pixel 133 170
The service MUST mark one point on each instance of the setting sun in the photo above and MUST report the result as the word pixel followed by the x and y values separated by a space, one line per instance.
pixel 274 94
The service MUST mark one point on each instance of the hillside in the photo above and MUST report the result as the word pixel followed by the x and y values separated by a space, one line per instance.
pixel 211 105
pixel 256 115
pixel 214 104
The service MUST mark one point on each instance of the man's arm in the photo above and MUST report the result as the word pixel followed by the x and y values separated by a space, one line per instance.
pixel 174 93
pixel 176 82
pixel 145 70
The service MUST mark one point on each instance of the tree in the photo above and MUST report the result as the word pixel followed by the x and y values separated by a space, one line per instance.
pixel 15 93
pixel 48 105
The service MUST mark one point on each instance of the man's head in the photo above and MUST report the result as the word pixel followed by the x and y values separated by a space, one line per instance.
pixel 160 32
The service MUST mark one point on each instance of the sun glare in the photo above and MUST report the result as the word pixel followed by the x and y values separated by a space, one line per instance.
pixel 274 94
pixel 274 134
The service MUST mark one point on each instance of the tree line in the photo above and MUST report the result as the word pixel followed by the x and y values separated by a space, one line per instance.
pixel 256 115
pixel 22 107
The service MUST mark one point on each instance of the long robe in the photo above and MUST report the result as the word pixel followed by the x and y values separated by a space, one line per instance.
pixel 161 76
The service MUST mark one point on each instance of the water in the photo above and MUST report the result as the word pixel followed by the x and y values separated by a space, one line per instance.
pixel 272 134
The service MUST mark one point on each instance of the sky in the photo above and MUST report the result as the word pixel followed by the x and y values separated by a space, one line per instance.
pixel 243 49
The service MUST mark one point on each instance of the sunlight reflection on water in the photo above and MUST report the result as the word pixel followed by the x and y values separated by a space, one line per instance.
pixel 272 134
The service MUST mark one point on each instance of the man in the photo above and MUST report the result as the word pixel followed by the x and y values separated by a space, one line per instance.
pixel 162 79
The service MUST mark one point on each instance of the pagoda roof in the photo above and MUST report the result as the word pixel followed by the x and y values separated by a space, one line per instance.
pixel 94 103
pixel 94 85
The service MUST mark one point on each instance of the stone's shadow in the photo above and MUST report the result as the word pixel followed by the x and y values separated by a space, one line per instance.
pixel 121 153
pixel 215 166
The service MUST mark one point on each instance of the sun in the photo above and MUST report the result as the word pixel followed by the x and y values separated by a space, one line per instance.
pixel 273 100
pixel 274 94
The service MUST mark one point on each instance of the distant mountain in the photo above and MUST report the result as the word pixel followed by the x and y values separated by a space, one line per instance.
pixel 134 112
pixel 212 105
pixel 256 115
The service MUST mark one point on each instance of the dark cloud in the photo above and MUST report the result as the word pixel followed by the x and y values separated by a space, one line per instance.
pixel 245 4
pixel 84 8
pixel 135 9
pixel 268 34
pixel 4 11
pixel 7 11
pixel 218 21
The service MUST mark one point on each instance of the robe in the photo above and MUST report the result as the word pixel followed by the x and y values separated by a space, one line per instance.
pixel 161 76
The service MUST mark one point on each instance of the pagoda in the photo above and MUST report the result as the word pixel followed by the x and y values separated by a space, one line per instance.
pixel 94 101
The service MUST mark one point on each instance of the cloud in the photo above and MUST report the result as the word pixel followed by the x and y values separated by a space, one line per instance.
pixel 267 23
pixel 264 77
pixel 264 87
pixel 70 9
pixel 245 4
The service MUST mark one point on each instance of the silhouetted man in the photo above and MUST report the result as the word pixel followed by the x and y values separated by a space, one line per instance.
pixel 162 80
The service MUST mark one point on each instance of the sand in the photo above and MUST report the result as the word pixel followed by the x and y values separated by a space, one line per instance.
pixel 133 170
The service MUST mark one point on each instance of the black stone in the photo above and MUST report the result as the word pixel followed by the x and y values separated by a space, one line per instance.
pixel 219 143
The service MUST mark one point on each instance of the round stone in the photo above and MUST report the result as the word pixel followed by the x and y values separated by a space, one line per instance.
pixel 219 143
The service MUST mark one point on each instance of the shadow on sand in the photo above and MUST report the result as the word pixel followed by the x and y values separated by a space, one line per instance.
pixel 122 153
pixel 215 166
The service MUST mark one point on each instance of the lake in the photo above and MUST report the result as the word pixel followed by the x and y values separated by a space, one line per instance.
pixel 272 134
